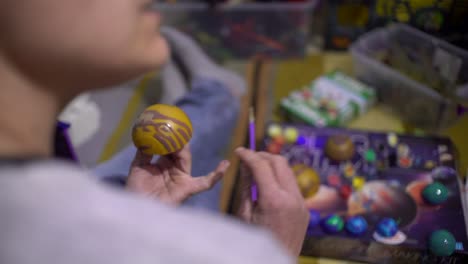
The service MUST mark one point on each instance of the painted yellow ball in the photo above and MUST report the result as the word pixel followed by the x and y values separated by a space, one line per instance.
pixel 307 179
pixel 162 129
pixel 291 134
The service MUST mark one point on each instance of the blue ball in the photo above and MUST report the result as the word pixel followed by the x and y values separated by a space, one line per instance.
pixel 387 227
pixel 356 225
pixel 301 140
pixel 314 218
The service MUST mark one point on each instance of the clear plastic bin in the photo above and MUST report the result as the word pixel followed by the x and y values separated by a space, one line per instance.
pixel 279 30
pixel 414 73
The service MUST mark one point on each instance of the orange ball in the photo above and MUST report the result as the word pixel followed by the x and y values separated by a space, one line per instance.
pixel 274 148
pixel 279 140
pixel 162 129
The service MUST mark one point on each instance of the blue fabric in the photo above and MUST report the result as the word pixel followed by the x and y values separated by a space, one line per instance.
pixel 213 112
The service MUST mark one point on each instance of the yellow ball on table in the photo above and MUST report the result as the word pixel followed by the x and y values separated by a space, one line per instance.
pixel 162 129
pixel 358 182
pixel 274 131
pixel 291 134
pixel 307 179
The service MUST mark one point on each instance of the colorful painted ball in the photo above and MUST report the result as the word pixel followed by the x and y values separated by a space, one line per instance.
pixel 346 191
pixel 370 155
pixel 403 150
pixel 340 147
pixel 334 180
pixel 444 174
pixel 392 139
pixel 387 227
pixel 301 140
pixel 291 134
pixel 356 225
pixel 358 182
pixel 348 170
pixel 442 243
pixel 161 130
pixel 307 179
pixel 314 219
pixel 333 224
pixel 435 193
pixel 274 148
pixel 279 140
pixel 274 131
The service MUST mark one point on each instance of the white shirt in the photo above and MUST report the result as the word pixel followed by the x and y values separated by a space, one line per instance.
pixel 52 212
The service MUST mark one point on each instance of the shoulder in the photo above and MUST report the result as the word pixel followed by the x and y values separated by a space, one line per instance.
pixel 59 208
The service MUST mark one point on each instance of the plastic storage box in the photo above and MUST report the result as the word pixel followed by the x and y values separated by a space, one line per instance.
pixel 347 20
pixel 330 100
pixel 279 30
pixel 413 72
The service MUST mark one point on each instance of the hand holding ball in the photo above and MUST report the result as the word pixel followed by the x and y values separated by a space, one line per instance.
pixel 161 130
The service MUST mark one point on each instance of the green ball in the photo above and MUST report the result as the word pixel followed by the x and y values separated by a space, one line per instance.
pixel 333 224
pixel 435 193
pixel 370 155
pixel 442 243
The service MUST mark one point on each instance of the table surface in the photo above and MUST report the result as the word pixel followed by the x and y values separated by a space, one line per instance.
pixel 286 76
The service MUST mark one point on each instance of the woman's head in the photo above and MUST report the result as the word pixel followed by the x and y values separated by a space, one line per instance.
pixel 79 44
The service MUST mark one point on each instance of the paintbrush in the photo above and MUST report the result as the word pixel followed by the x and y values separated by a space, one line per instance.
pixel 252 146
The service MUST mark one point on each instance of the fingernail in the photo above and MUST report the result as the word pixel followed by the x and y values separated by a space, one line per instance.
pixel 225 163
pixel 239 149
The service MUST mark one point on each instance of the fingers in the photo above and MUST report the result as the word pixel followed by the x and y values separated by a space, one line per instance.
pixel 261 169
pixel 183 159
pixel 283 171
pixel 141 159
pixel 207 182
pixel 244 204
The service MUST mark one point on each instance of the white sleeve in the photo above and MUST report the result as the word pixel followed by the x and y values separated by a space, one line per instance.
pixel 54 213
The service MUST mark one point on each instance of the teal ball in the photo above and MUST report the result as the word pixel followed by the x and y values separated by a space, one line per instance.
pixel 442 243
pixel 435 193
